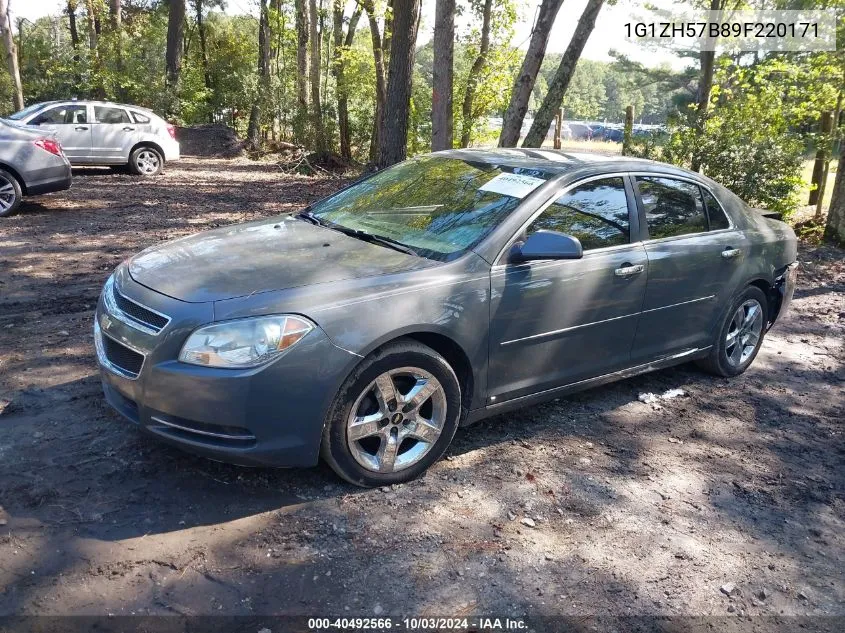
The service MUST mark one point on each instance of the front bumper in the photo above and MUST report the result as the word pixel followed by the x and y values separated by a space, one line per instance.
pixel 267 416
pixel 783 290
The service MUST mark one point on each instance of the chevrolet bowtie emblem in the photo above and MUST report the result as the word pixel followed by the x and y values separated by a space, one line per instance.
pixel 105 322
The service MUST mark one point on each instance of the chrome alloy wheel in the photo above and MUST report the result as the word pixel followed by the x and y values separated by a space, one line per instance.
pixel 396 420
pixel 744 332
pixel 147 162
pixel 7 194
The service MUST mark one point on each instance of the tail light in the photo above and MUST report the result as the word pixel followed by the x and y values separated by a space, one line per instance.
pixel 172 131
pixel 50 145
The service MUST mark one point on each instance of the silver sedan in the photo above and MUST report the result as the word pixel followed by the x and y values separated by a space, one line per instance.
pixel 31 163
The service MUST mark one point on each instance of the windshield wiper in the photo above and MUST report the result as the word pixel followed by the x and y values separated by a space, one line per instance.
pixel 313 219
pixel 389 242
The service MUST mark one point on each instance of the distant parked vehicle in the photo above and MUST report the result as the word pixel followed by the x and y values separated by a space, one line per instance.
pixel 614 134
pixel 102 133
pixel 581 131
pixel 31 163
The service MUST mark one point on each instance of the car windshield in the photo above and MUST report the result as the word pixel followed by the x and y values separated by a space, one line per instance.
pixel 439 207
pixel 21 114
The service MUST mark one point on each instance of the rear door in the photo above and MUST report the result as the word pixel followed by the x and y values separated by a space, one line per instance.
pixel 558 322
pixel 113 134
pixel 70 124
pixel 693 262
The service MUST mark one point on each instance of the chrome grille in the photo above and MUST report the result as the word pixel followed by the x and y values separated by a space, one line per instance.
pixel 131 312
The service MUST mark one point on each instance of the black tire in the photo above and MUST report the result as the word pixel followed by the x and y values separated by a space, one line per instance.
pixel 10 194
pixel 718 362
pixel 404 353
pixel 146 161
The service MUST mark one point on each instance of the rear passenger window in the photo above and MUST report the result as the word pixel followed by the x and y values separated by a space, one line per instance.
pixel 104 114
pixel 595 212
pixel 140 118
pixel 718 219
pixel 672 207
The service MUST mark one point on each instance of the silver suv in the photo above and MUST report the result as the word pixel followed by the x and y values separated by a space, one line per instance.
pixel 103 133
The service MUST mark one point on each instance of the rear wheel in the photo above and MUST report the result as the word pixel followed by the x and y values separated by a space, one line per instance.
pixel 10 194
pixel 393 417
pixel 740 335
pixel 146 161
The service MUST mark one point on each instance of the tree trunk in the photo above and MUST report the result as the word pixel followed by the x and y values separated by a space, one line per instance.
pixel 442 123
pixel 254 128
pixel 707 61
pixel 394 129
pixel 381 83
pixel 74 31
pixel 74 40
pixel 835 226
pixel 11 53
pixel 173 57
pixel 527 77
pixel 314 76
pixel 115 19
pixel 341 45
pixel 475 71
pixel 91 22
pixel 301 121
pixel 554 97
pixel 206 72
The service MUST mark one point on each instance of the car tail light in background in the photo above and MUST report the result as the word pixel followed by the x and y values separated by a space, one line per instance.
pixel 50 145
pixel 172 131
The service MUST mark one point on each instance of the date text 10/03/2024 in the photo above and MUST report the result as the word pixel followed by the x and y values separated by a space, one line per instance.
pixel 418 624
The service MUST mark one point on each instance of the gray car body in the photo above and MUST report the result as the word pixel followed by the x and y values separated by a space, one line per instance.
pixel 515 333
pixel 38 171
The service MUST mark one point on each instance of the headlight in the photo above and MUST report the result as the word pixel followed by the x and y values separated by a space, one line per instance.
pixel 244 343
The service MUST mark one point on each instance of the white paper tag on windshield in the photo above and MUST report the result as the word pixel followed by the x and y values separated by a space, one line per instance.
pixel 514 185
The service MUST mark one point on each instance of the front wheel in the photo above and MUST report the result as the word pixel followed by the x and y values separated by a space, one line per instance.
pixel 10 194
pixel 393 417
pixel 740 335
pixel 146 161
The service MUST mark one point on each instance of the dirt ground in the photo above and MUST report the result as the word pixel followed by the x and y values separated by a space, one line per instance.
pixel 727 501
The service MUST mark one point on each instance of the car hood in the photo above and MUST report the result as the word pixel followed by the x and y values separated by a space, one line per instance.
pixel 272 254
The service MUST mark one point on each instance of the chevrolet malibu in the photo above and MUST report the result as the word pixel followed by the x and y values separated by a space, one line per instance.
pixel 369 326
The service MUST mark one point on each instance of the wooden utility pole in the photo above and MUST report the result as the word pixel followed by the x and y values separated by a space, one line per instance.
pixel 820 166
pixel 558 126
pixel 629 130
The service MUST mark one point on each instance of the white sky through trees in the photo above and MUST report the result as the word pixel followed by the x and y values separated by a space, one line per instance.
pixel 608 34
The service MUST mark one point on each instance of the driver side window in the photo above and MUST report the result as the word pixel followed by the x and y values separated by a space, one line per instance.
pixel 595 212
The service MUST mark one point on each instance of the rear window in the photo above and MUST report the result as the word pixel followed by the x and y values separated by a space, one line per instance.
pixel 672 207
pixel 715 212
pixel 140 118
pixel 105 114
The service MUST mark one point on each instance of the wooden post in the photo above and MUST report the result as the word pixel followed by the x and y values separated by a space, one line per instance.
pixel 629 129
pixel 822 153
pixel 558 126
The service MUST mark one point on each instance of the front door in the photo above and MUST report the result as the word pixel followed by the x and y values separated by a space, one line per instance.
pixel 72 129
pixel 694 260
pixel 113 134
pixel 558 322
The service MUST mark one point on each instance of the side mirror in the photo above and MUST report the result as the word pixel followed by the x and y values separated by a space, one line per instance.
pixel 547 245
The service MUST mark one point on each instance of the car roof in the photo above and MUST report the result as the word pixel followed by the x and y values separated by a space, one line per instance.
pixel 92 102
pixel 561 162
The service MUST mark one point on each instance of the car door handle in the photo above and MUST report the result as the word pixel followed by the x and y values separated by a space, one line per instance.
pixel 81 127
pixel 129 128
pixel 731 253
pixel 628 270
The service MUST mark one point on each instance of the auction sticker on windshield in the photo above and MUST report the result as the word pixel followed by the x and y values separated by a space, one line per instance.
pixel 514 185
